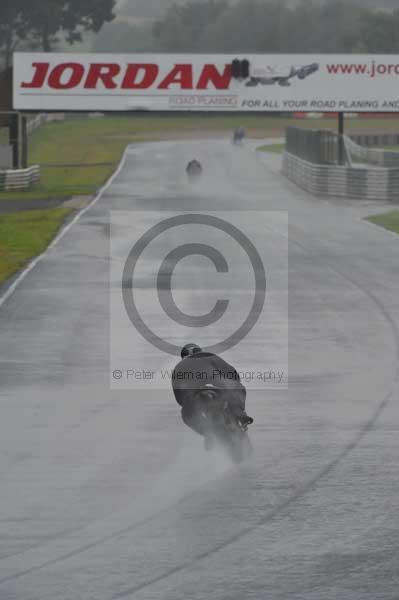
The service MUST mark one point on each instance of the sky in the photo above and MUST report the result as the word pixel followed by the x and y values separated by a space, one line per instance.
pixel 152 9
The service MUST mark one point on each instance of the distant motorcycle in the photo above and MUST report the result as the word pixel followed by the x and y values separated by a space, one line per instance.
pixel 222 425
pixel 194 169
pixel 238 136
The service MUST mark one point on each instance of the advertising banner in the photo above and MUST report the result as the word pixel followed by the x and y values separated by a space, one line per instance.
pixel 206 82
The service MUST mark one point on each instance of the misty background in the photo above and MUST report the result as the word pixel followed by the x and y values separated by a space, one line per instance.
pixel 155 9
pixel 199 26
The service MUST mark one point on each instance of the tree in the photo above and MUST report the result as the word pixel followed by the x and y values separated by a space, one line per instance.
pixel 122 37
pixel 13 27
pixel 144 9
pixel 250 26
pixel 170 32
pixel 28 24
pixel 339 26
pixel 301 27
pixel 48 17
pixel 380 31
pixel 184 26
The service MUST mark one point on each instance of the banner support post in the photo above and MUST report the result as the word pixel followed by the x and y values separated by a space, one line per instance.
pixel 14 140
pixel 341 131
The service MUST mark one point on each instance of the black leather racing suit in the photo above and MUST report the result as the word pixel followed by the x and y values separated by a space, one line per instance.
pixel 193 373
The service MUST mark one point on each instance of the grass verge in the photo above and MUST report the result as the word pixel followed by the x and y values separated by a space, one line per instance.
pixel 26 234
pixel 389 220
pixel 276 148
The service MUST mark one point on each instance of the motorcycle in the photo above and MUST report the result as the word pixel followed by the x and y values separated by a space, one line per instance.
pixel 238 137
pixel 194 169
pixel 222 425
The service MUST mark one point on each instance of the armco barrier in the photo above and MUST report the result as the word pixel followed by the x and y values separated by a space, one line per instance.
pixel 377 140
pixel 319 147
pixel 19 179
pixel 376 183
pixel 375 154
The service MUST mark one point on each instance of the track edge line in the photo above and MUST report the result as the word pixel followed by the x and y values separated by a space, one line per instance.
pixel 64 230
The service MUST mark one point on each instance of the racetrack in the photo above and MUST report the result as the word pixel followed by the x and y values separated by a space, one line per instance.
pixel 105 494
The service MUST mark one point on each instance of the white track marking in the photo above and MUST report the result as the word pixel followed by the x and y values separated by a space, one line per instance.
pixel 11 289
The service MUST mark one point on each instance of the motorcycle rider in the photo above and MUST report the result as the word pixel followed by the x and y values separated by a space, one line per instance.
pixel 194 167
pixel 197 372
pixel 238 135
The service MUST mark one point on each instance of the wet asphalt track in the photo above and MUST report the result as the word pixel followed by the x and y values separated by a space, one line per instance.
pixel 105 495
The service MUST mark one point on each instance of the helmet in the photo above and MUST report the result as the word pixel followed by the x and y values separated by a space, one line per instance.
pixel 189 350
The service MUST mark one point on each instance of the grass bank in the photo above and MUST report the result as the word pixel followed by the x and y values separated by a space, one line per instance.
pixel 276 148
pixel 26 234
pixel 389 220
